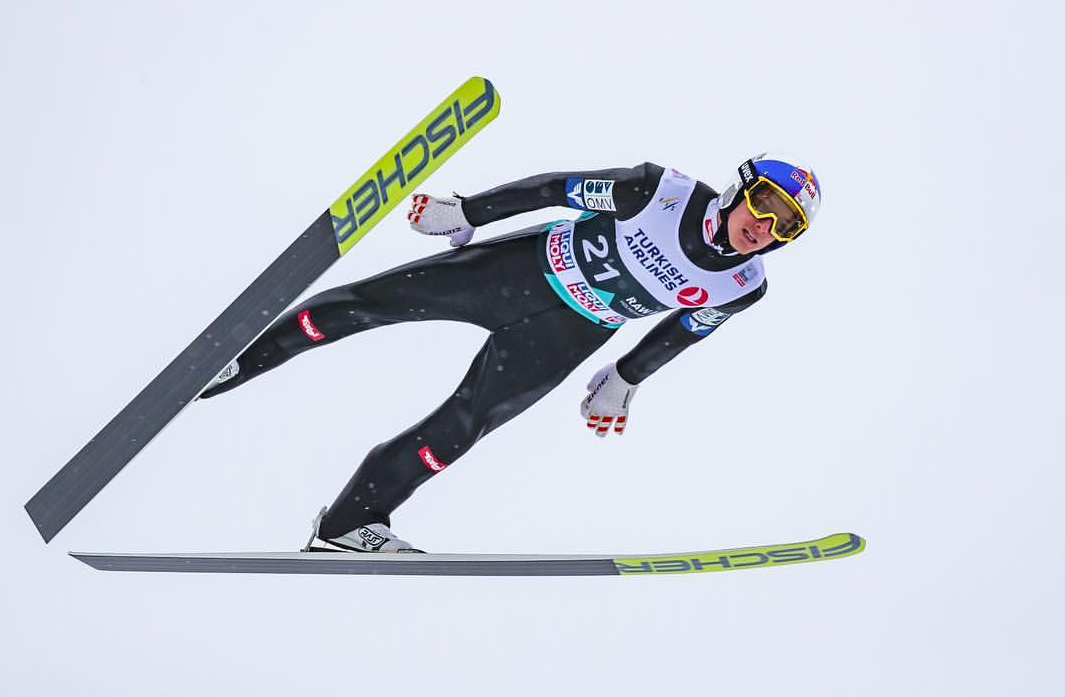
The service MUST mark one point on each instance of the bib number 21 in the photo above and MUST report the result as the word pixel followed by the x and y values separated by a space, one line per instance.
pixel 599 251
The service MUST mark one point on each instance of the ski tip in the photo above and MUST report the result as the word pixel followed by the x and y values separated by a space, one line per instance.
pixel 842 544
pixel 488 89
pixel 839 544
pixel 861 542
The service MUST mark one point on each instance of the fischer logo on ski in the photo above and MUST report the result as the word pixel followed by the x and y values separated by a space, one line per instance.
pixel 417 155
pixel 839 545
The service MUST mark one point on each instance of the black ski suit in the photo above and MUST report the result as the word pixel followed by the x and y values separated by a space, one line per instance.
pixel 535 339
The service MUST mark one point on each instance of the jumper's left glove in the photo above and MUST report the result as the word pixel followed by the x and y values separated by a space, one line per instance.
pixel 440 216
pixel 608 401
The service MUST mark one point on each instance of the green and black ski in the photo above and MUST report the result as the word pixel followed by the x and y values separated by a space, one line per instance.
pixel 405 166
pixel 835 546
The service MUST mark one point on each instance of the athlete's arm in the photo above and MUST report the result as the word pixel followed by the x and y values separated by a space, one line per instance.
pixel 623 192
pixel 679 330
pixel 611 390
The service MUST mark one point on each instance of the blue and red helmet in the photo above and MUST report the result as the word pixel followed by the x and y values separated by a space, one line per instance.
pixel 769 176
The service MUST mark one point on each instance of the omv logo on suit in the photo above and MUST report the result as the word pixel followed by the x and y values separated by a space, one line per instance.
pixel 590 194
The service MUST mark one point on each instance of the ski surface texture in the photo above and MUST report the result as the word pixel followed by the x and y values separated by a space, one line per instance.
pixel 405 166
pixel 834 546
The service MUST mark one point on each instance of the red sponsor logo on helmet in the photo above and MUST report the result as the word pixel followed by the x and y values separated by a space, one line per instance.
pixel 805 180
pixel 429 460
pixel 693 296
pixel 308 326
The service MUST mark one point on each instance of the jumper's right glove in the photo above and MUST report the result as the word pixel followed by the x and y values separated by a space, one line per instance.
pixel 440 216
pixel 608 401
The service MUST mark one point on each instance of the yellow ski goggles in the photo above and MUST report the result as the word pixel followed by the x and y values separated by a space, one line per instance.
pixel 765 199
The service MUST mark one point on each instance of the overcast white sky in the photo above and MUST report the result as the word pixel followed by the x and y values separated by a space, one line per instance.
pixel 901 380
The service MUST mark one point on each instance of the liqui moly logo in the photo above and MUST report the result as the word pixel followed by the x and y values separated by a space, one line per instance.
pixel 584 296
pixel 560 250
pixel 429 460
pixel 308 326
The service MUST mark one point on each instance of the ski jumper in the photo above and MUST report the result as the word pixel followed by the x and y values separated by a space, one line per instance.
pixel 648 240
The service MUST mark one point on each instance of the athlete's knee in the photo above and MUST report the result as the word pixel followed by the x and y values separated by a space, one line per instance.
pixel 319 323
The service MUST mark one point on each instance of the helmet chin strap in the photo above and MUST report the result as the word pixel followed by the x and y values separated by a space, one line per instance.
pixel 720 239
pixel 775 244
pixel 727 201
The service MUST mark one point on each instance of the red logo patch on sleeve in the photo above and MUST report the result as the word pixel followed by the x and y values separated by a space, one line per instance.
pixel 308 326
pixel 429 460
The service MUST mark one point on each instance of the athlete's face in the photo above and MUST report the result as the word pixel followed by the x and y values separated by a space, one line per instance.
pixel 746 233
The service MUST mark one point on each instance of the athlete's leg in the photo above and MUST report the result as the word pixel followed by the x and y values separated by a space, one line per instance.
pixel 489 284
pixel 519 364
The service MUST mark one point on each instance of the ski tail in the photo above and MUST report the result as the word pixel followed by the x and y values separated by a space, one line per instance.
pixel 396 174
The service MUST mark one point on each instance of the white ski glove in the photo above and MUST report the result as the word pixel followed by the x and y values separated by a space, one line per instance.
pixel 608 401
pixel 440 216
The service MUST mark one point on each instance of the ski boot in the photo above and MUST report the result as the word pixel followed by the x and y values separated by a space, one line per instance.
pixel 375 537
pixel 228 373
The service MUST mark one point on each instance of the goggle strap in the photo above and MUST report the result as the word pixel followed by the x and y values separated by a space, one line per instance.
pixel 748 177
